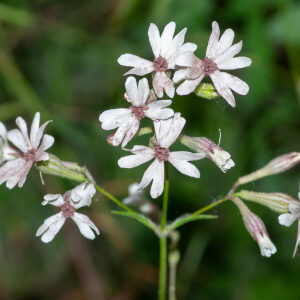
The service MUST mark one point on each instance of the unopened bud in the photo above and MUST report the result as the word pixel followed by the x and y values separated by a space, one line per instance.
pixel 206 91
pixel 278 202
pixel 256 228
pixel 54 166
pixel 277 165
pixel 211 150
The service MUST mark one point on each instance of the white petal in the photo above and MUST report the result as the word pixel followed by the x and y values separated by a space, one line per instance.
pixel 82 195
pixel 39 134
pixel 186 155
pixel 213 40
pixel 3 132
pixel 141 66
pixel 47 142
pixel 267 248
pixel 162 82
pixel 53 199
pixel 154 39
pixel 131 89
pixel 154 172
pixel 176 44
pixel 188 59
pixel 85 225
pixel 51 227
pixel 114 118
pixel 183 166
pixel 230 53
pixel 225 41
pixel 235 63
pixel 167 131
pixel 166 38
pixel 23 128
pixel 34 127
pixel 133 128
pixel 156 112
pixel 188 47
pixel 179 75
pixel 132 161
pixel 188 86
pixel 142 92
pixel 222 87
pixel 297 240
pixel 287 219
pixel 16 138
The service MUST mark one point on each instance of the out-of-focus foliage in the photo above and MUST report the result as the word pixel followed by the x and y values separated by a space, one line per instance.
pixel 60 58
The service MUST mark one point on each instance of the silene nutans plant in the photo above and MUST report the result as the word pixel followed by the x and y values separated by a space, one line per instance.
pixel 150 85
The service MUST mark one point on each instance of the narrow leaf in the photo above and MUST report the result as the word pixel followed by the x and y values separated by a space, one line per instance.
pixel 140 218
pixel 187 219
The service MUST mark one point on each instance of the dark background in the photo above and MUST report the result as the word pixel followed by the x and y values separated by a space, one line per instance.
pixel 60 58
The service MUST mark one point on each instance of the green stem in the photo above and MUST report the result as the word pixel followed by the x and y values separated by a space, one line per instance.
pixel 163 240
pixel 112 198
pixel 210 206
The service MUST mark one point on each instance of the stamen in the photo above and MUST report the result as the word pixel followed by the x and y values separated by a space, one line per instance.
pixel 161 153
pixel 67 209
pixel 138 112
pixel 160 64
pixel 209 66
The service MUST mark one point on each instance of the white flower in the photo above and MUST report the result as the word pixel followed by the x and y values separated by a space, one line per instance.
pixel 289 218
pixel 30 150
pixel 165 48
pixel 6 151
pixel 256 228
pixel 72 200
pixel 166 133
pixel 219 56
pixel 127 120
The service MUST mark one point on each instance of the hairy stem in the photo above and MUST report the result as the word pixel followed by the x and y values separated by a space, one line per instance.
pixel 163 241
pixel 210 206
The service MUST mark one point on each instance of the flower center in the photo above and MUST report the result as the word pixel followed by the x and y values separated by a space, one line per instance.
pixel 67 209
pixel 209 66
pixel 162 154
pixel 30 155
pixel 138 112
pixel 160 64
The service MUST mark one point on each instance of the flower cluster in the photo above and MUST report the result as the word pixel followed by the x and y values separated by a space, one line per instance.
pixel 19 151
pixel 172 55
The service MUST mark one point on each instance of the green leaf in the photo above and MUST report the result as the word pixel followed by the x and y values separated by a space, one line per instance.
pixel 138 217
pixel 188 218
pixel 206 91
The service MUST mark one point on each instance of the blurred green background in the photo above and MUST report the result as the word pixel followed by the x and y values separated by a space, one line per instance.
pixel 60 58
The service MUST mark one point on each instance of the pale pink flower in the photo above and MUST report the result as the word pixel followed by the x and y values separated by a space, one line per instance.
pixel 6 151
pixel 289 218
pixel 127 120
pixel 219 56
pixel 71 201
pixel 165 48
pixel 256 228
pixel 212 151
pixel 30 150
pixel 166 133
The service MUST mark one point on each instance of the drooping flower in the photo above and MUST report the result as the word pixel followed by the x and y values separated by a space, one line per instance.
pixel 71 201
pixel 166 133
pixel 288 219
pixel 127 120
pixel 6 151
pixel 212 151
pixel 219 56
pixel 256 228
pixel 30 150
pixel 165 48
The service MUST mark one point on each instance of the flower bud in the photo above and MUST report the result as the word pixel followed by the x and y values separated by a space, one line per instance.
pixel 206 91
pixel 277 165
pixel 54 166
pixel 212 151
pixel 256 228
pixel 278 202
